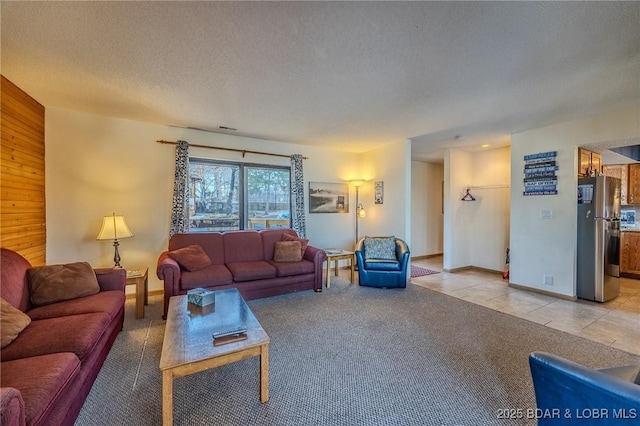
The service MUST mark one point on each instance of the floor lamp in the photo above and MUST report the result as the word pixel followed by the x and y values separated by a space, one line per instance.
pixel 360 212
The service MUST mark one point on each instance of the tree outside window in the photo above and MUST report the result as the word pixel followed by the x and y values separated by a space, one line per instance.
pixel 229 196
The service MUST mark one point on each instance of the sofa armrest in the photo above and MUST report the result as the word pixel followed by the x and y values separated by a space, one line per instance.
pixel 168 271
pixel 402 253
pixel 561 384
pixel 11 407
pixel 317 256
pixel 111 278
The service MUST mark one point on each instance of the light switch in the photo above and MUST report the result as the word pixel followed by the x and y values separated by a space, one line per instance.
pixel 546 214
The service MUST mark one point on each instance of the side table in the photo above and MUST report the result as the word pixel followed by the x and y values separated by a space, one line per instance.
pixel 335 256
pixel 140 278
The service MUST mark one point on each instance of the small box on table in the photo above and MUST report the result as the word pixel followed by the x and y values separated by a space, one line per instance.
pixel 201 297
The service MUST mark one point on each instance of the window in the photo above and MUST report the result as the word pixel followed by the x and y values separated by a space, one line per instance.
pixel 227 196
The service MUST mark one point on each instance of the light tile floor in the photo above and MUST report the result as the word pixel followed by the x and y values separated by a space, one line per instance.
pixel 615 323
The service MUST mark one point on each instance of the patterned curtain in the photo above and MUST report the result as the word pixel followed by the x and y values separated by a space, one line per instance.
pixel 298 221
pixel 180 212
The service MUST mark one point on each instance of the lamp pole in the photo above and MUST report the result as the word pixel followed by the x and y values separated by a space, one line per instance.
pixel 357 213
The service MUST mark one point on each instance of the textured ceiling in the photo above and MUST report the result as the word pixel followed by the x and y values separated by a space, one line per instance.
pixel 347 75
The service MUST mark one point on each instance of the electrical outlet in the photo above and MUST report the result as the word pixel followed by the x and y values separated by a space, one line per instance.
pixel 547 280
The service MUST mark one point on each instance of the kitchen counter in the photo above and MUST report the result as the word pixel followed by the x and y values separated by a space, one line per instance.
pixel 636 229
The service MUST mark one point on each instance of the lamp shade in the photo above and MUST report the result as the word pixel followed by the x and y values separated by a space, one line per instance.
pixel 357 182
pixel 114 228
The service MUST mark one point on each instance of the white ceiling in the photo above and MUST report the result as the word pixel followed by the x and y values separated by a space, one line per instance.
pixel 347 75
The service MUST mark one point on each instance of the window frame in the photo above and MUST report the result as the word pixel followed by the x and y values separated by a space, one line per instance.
pixel 243 193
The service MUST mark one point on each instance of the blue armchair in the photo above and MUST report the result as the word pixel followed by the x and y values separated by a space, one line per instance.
pixel 567 392
pixel 384 264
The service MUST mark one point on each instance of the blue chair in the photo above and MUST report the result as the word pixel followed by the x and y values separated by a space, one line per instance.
pixel 385 264
pixel 567 392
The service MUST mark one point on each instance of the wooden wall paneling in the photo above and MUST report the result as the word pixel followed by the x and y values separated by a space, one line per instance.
pixel 22 174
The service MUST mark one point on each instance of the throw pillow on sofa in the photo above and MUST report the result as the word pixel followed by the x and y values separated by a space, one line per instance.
pixel 287 251
pixel 303 242
pixel 192 258
pixel 12 322
pixel 380 248
pixel 56 283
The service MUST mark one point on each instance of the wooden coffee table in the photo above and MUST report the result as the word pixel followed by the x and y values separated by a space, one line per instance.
pixel 188 343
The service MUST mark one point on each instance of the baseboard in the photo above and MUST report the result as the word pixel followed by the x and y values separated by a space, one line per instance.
pixel 544 292
pixel 473 268
pixel 454 270
pixel 426 256
pixel 630 275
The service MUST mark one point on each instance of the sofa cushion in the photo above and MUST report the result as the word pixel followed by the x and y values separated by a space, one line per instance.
pixel 211 242
pixel 210 276
pixel 192 258
pixel 382 265
pixel 249 271
pixel 242 246
pixel 289 269
pixel 13 276
pixel 380 248
pixel 287 251
pixel 12 322
pixel 54 283
pixel 110 302
pixel 42 381
pixel 270 237
pixel 303 242
pixel 74 333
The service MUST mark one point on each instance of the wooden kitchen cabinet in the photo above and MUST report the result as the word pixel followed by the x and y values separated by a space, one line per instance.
pixel 589 162
pixel 630 253
pixel 633 184
pixel 618 171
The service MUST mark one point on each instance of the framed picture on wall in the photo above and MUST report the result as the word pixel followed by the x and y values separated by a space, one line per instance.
pixel 378 192
pixel 326 197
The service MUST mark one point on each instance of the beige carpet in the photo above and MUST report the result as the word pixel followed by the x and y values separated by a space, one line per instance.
pixel 347 356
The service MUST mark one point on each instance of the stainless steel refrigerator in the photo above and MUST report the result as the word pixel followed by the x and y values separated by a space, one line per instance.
pixel 598 263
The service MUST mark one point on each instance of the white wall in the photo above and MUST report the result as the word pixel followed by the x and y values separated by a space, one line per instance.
pixel 489 234
pixel 458 174
pixel 548 246
pixel 426 208
pixel 477 232
pixel 97 165
pixel 391 164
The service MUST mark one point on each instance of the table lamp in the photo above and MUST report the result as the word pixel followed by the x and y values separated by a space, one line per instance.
pixel 114 228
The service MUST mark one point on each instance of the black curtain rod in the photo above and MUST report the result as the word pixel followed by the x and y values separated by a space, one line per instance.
pixel 243 151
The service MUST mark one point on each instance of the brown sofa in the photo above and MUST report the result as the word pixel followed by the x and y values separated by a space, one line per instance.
pixel 49 368
pixel 241 259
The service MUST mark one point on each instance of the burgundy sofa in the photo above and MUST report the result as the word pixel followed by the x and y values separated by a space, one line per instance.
pixel 240 259
pixel 48 370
